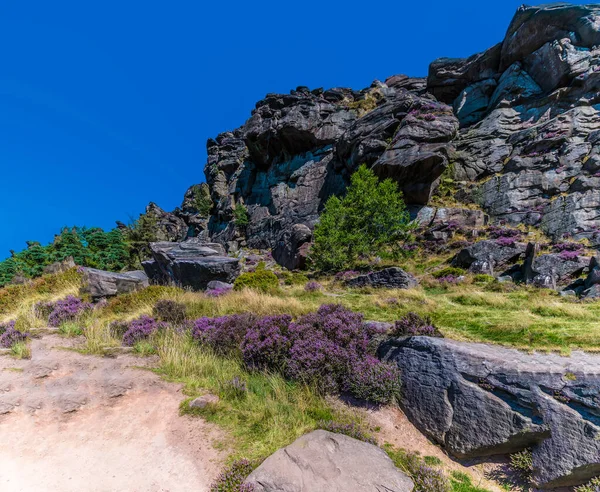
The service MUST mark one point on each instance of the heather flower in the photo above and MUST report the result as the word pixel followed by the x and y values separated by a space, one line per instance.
pixel 350 430
pixel 505 241
pixel 43 309
pixel 224 334
pixel 373 380
pixel 267 342
pixel 560 247
pixel 347 275
pixel 9 325
pixel 313 287
pixel 414 325
pixel 10 336
pixel 232 479
pixel 141 329
pixel 448 280
pixel 68 309
pixel 498 232
pixel 218 292
pixel 569 255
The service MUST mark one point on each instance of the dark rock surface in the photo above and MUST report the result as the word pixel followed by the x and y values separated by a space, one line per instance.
pixel 100 284
pixel 480 400
pixel 389 278
pixel 528 108
pixel 326 462
pixel 189 264
pixel 298 149
pixel 488 256
pixel 170 227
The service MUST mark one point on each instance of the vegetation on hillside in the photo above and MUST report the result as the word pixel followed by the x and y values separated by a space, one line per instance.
pixel 369 220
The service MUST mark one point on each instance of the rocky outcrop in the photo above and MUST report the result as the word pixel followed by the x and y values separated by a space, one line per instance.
pixel 190 264
pixel 101 285
pixel 298 149
pixel 553 269
pixel 168 226
pixel 480 400
pixel 326 462
pixel 389 278
pixel 529 117
pixel 60 266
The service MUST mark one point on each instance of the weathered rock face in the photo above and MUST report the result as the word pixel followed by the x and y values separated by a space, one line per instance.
pixel 190 264
pixel 326 462
pixel 488 256
pixel 169 226
pixel 389 278
pixel 100 284
pixel 296 150
pixel 529 112
pixel 480 400
pixel 60 266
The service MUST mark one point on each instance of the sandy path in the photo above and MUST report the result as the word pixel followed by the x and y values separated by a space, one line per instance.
pixel 78 423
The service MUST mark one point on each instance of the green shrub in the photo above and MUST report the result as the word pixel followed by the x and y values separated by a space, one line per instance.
pixel 522 463
pixel 371 219
pixel 482 278
pixel 592 486
pixel 449 272
pixel 293 278
pixel 202 200
pixel 70 329
pixel 240 215
pixel 262 280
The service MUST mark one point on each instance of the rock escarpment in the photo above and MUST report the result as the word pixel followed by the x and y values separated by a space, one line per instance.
pixel 481 400
pixel 296 150
pixel 528 107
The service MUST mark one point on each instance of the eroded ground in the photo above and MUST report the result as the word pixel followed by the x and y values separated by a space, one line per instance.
pixel 71 422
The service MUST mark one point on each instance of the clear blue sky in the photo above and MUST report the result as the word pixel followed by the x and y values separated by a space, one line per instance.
pixel 105 106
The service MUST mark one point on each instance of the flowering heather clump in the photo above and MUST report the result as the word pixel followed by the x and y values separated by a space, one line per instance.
pixel 232 479
pixel 498 232
pixel 267 343
pixel 569 255
pixel 10 336
pixel 224 334
pixel 9 325
pixel 141 329
pixel 449 280
pixel 313 287
pixel 414 325
pixel 505 241
pixel 67 309
pixel 169 311
pixel 560 247
pixel 326 345
pixel 428 479
pixel 43 309
pixel 218 292
pixel 350 430
pixel 347 275
pixel 373 380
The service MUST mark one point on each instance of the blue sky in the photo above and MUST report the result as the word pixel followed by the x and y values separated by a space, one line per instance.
pixel 105 106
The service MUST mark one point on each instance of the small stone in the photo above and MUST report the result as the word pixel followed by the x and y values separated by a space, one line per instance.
pixel 204 401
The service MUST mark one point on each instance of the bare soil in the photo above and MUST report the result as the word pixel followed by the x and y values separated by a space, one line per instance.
pixel 71 422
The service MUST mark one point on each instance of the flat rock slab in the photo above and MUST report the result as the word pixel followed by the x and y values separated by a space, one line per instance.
pixel 390 278
pixel 326 462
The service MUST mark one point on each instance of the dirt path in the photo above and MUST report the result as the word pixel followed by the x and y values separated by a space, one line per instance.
pixel 70 422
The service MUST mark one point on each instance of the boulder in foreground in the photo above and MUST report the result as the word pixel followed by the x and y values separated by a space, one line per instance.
pixel 326 462
pixel 100 284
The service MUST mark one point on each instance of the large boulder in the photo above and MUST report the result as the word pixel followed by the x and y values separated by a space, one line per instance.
pixel 189 264
pixel 480 400
pixel 101 285
pixel 60 266
pixel 553 269
pixel 488 256
pixel 326 462
pixel 389 278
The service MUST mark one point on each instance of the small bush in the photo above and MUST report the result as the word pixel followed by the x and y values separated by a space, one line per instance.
pixel 43 310
pixel 10 336
pixel 70 308
pixel 267 342
pixel 592 486
pixel 141 329
pixel 235 388
pixel 218 292
pixel 224 334
pixel 445 272
pixel 262 280
pixel 350 430
pixel 313 287
pixel 118 328
pixel 169 311
pixel 144 348
pixel 232 479
pixel 482 278
pixel 375 381
pixel 20 350
pixel 412 325
pixel 293 278
pixel 240 216
pixel 522 463
pixel 426 478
